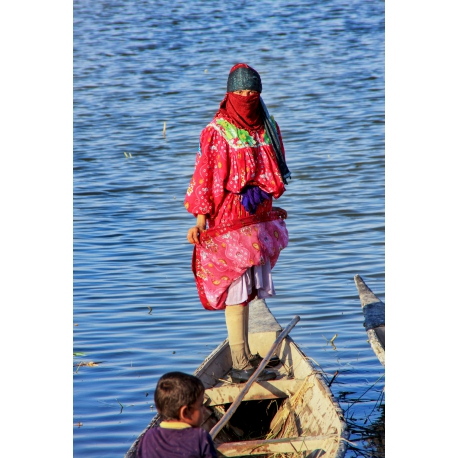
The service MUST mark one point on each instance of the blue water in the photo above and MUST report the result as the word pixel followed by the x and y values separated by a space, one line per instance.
pixel 136 310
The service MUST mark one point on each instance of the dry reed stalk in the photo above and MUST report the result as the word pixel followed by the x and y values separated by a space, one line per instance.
pixel 286 420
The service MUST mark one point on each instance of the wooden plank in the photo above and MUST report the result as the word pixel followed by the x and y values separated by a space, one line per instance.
pixel 215 365
pixel 376 345
pixel 261 319
pixel 263 328
pixel 315 444
pixel 273 389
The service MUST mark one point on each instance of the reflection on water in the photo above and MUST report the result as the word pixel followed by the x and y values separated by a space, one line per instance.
pixel 376 434
pixel 140 64
pixel 368 435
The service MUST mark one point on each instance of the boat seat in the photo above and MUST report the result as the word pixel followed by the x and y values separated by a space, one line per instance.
pixel 273 389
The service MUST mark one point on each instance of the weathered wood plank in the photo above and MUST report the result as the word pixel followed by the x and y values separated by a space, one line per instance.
pixel 374 317
pixel 376 343
pixel 263 328
pixel 261 319
pixel 215 366
pixel 373 307
pixel 273 389
pixel 285 445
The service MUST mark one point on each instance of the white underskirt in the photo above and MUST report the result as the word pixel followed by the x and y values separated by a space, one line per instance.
pixel 242 287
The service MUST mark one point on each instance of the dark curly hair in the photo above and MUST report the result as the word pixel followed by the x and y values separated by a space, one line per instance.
pixel 175 390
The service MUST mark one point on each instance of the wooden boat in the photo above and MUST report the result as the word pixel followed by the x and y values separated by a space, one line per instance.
pixel 293 415
pixel 374 315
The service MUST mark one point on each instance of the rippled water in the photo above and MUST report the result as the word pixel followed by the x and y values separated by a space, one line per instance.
pixel 136 310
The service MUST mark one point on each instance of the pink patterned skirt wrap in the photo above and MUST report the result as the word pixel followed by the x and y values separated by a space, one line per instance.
pixel 228 250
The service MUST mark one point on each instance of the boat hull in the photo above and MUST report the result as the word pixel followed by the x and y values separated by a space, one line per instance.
pixel 374 318
pixel 296 412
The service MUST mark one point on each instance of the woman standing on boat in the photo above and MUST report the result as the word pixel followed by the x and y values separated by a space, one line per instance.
pixel 240 166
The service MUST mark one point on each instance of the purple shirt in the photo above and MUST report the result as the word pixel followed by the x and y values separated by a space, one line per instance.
pixel 176 443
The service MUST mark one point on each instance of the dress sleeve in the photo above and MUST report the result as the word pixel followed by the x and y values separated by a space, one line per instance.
pixel 206 189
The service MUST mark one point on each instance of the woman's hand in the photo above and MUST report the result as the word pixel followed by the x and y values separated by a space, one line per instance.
pixel 283 213
pixel 193 235
pixel 194 232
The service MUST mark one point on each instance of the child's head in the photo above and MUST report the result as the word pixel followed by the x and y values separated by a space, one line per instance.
pixel 179 396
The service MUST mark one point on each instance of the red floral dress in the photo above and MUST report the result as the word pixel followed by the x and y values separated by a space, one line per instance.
pixel 229 158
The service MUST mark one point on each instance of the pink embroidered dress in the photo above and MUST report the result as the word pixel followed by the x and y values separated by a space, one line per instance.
pixel 230 158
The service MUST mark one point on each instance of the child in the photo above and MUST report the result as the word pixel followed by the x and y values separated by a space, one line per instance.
pixel 179 399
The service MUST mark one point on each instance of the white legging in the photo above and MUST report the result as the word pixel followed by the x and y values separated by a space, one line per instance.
pixel 237 317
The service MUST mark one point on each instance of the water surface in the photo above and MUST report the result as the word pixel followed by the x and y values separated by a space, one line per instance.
pixel 136 309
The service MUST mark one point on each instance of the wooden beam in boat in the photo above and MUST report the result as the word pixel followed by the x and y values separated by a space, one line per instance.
pixel 273 389
pixel 312 444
